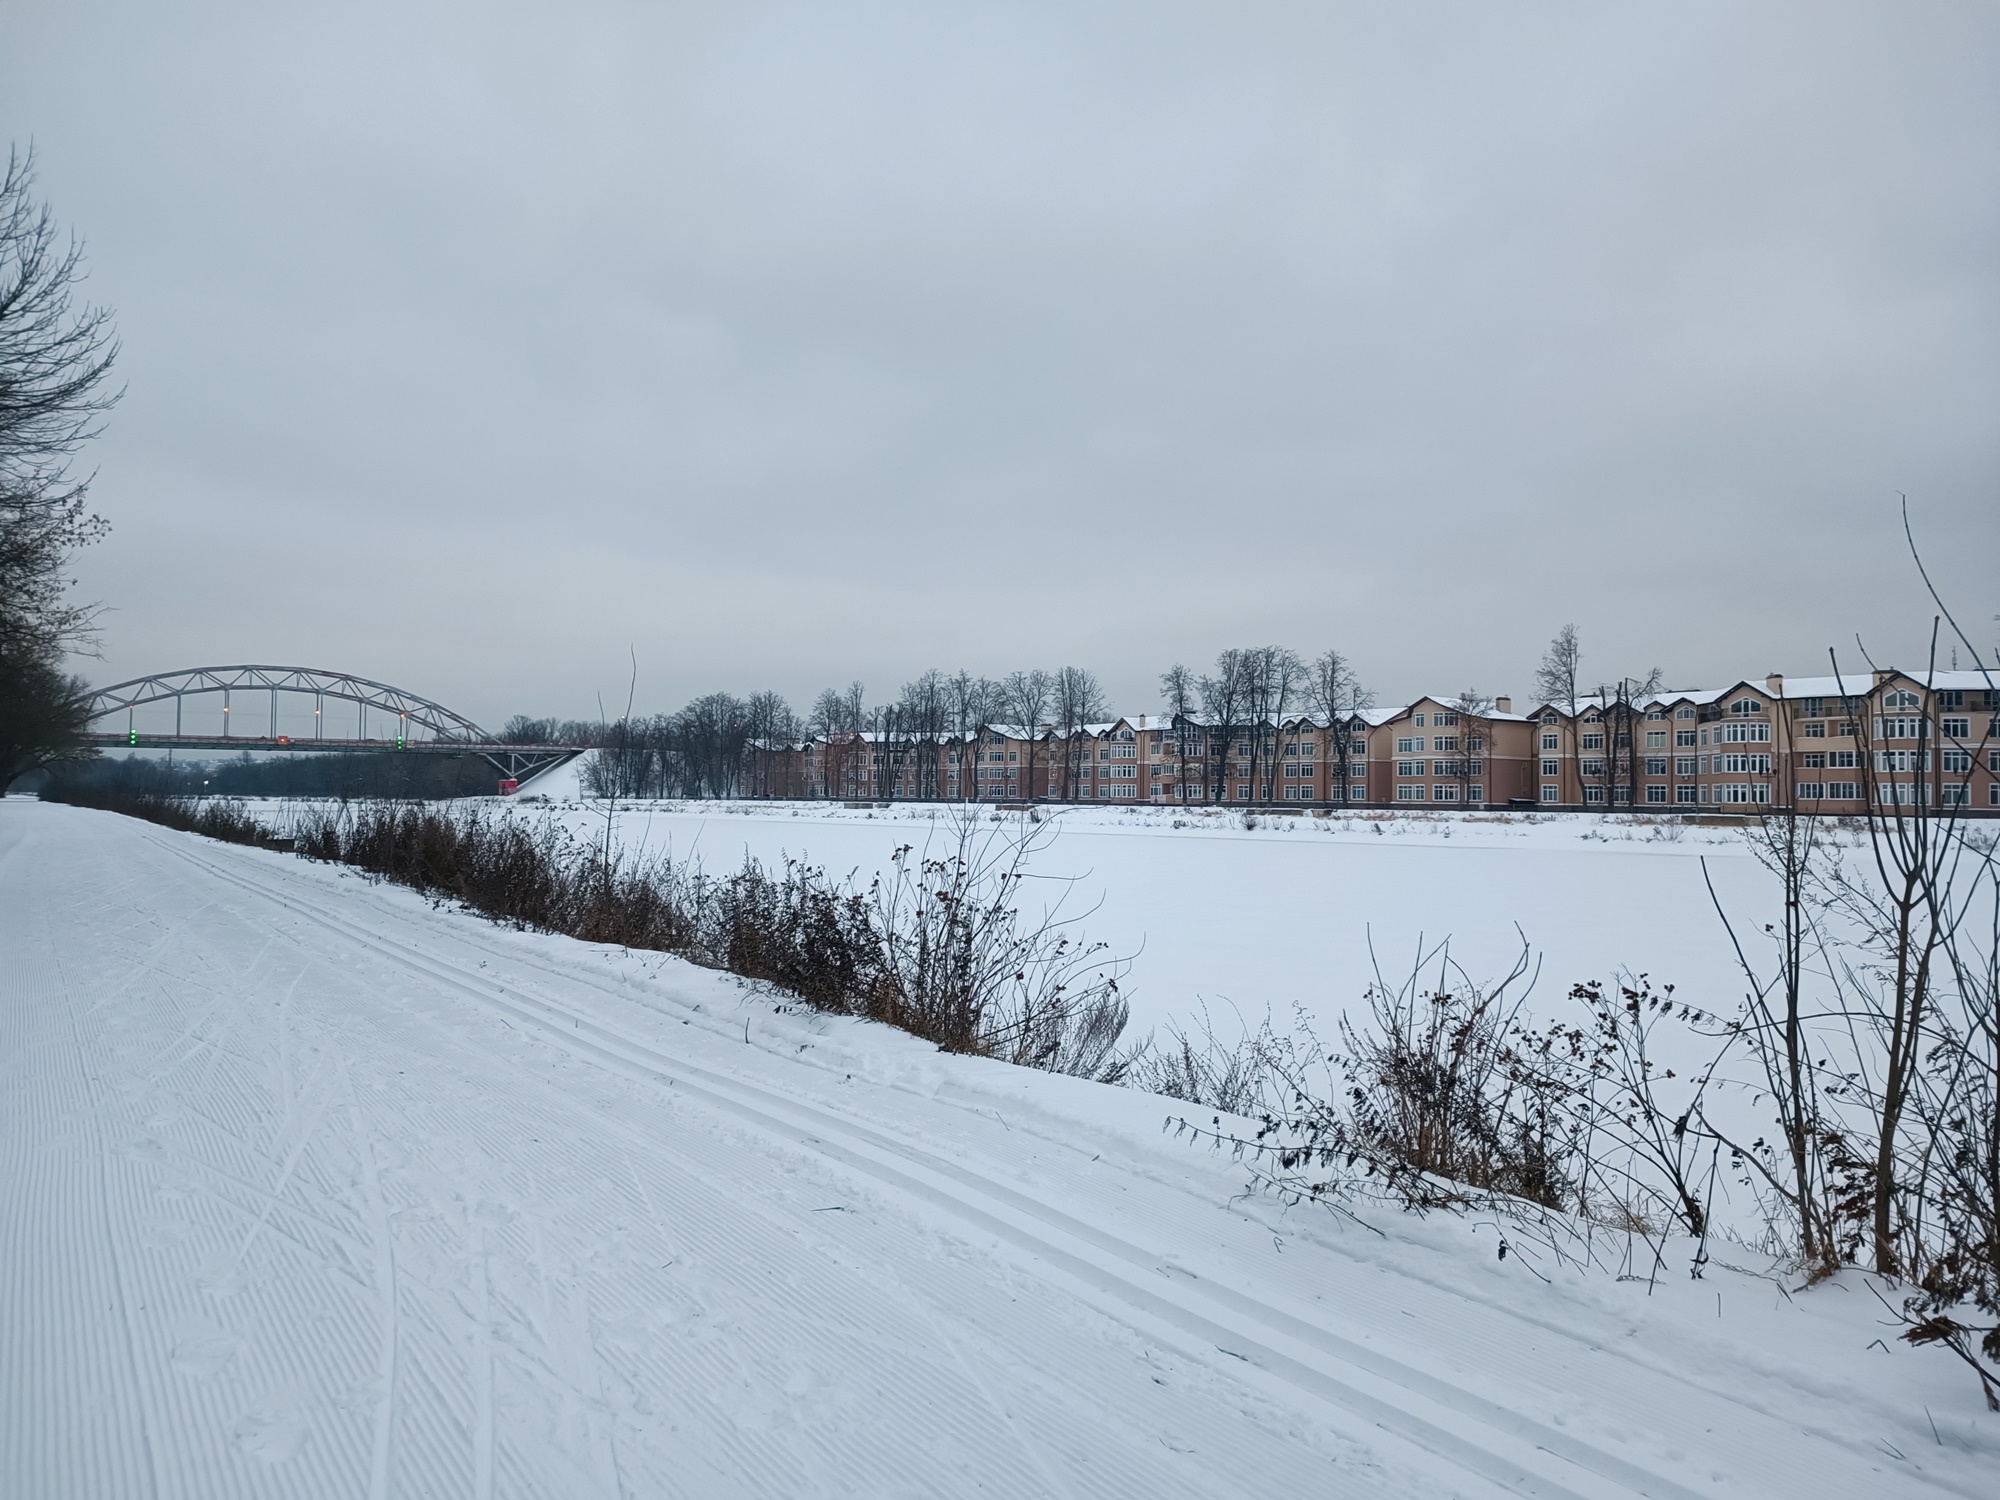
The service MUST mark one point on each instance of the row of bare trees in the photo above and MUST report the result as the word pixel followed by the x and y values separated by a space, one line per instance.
pixel 704 750
pixel 1226 722
pixel 1610 765
pixel 1223 726
pixel 1046 710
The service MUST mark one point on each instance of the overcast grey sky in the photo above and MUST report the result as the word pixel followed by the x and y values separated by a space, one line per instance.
pixel 468 344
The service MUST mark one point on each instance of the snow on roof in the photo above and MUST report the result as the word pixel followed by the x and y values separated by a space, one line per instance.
pixel 1860 684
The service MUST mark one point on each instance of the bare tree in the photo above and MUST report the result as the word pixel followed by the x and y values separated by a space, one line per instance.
pixel 1558 676
pixel 1335 696
pixel 1225 703
pixel 1179 691
pixel 1028 696
pixel 1079 701
pixel 1475 735
pixel 1275 678
pixel 55 358
pixel 925 710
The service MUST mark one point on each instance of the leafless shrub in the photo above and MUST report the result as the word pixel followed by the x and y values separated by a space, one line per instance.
pixel 215 818
pixel 1448 1094
pixel 939 947
pixel 1195 1065
pixel 969 972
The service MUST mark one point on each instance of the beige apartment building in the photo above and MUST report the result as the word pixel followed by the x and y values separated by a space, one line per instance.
pixel 1812 744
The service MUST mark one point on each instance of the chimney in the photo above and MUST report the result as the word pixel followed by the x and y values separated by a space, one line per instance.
pixel 1142 721
pixel 1503 704
pixel 1774 684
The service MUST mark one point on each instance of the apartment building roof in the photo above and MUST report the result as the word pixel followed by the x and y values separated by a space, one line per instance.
pixel 1860 684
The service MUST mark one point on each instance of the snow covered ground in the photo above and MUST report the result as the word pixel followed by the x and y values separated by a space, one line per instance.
pixel 1283 915
pixel 313 1189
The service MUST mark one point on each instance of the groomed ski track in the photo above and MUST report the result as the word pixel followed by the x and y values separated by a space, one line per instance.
pixel 313 1189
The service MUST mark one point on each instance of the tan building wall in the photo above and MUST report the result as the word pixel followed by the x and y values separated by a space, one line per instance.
pixel 1815 745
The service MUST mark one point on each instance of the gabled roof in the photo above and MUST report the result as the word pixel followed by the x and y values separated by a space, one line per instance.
pixel 1860 684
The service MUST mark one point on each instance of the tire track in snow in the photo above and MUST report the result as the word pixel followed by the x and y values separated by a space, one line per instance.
pixel 1429 1413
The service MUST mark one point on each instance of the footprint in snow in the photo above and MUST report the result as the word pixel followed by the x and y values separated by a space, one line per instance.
pixel 271 1431
pixel 203 1353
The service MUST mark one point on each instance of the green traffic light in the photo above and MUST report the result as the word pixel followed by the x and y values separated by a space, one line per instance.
pixel 131 736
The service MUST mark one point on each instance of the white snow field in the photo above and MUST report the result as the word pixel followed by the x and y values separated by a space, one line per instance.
pixel 314 1189
pixel 1282 916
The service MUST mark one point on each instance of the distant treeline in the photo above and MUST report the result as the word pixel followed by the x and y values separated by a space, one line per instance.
pixel 336 775
pixel 704 750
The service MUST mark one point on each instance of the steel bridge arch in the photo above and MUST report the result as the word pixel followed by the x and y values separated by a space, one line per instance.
pixel 160 687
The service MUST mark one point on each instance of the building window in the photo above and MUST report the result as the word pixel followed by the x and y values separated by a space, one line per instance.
pixel 1684 739
pixel 1444 793
pixel 1551 742
pixel 1475 793
pixel 1593 794
pixel 1656 739
pixel 1410 793
pixel 1958 729
pixel 1552 768
pixel 1358 792
pixel 1552 794
pixel 1409 768
pixel 1746 706
pixel 1952 794
pixel 1242 791
pixel 1902 760
pixel 1684 765
pixel 1815 731
pixel 1410 745
pixel 1684 713
pixel 1593 742
pixel 1684 794
pixel 1842 760
pixel 1445 742
pixel 1656 765
pixel 1593 768
pixel 1956 760
pixel 1443 720
pixel 1811 791
pixel 1743 791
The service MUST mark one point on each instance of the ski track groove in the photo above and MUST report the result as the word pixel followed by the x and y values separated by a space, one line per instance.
pixel 642 1301
pixel 598 1040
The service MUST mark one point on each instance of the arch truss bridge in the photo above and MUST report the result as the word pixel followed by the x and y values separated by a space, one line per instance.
pixel 250 718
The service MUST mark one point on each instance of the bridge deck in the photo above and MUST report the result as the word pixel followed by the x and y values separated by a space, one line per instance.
pixel 145 741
